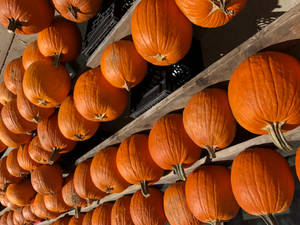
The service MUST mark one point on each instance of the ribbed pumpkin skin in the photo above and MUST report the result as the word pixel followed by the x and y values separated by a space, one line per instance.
pixel 18 217
pixel 3 219
pixel 32 19
pixel 12 206
pixel 175 206
pixel 5 95
pixel 47 179
pixel 39 209
pixel 262 181
pixel 161 34
pixel 62 37
pixel 207 14
pixel 120 214
pixel 55 203
pixel 62 221
pixel 72 125
pixel 87 219
pixel 3 199
pixel 70 197
pixel 28 214
pixel 102 214
pixel 122 66
pixel 13 75
pixel 84 9
pixel 20 194
pixel 10 220
pixel 5 176
pixel 149 210
pixel 297 163
pixel 104 172
pixel 83 183
pixel 74 221
pixel 96 99
pixel 209 195
pixel 24 159
pixel 36 84
pixel 3 147
pixel 13 166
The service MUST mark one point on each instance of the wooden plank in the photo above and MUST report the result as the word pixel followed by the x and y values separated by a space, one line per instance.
pixel 284 28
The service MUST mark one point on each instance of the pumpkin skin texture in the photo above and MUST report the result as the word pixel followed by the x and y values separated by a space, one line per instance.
pixel 3 199
pixel 209 195
pixel 62 221
pixel 55 203
pixel 135 163
pixel 12 165
pixel 97 100
pixel 18 217
pixel 205 116
pixel 20 194
pixel 87 219
pixel 102 214
pixel 120 214
pixel 169 145
pixel 122 66
pixel 28 214
pixel 24 159
pixel 39 209
pixel 5 177
pixel 3 147
pixel 262 182
pixel 264 104
pixel 76 221
pixel 104 172
pixel 72 125
pixel 5 95
pixel 36 84
pixel 147 210
pixel 4 219
pixel 10 220
pixel 13 75
pixel 164 40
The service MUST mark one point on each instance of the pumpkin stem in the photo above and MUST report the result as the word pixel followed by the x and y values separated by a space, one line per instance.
pixel 88 202
pixel 43 102
pixel 108 189
pixel 36 119
pixel 73 10
pixel 127 85
pixel 5 187
pixel 222 5
pixel 160 57
pixel 269 219
pixel 274 130
pixel 57 57
pixel 53 155
pixel 13 25
pixel 178 170
pixel 80 137
pixel 217 223
pixel 77 211
pixel 144 188
pixel 100 117
pixel 211 151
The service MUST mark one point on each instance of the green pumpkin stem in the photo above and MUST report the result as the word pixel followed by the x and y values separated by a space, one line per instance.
pixel 178 170
pixel 57 58
pixel 53 155
pixel 144 188
pixel 269 219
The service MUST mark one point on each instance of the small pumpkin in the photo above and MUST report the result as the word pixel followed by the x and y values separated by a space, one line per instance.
pixel 10 220
pixel 39 209
pixel 28 214
pixel 36 84
pixel 104 172
pixel 72 125
pixel 161 34
pixel 120 214
pixel 149 210
pixel 169 145
pixel 20 194
pixel 13 75
pixel 102 214
pixel 55 203
pixel 87 219
pixel 12 165
pixel 76 221
pixel 5 95
pixel 205 116
pixel 5 177
pixel 62 221
pixel 24 159
pixel 18 217
pixel 135 163
pixel 122 66
pixel 3 219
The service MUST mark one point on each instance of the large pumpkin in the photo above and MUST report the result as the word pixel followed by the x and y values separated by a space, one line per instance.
pixel 13 75
pixel 209 195
pixel 77 11
pixel 149 210
pixel 208 13
pixel 262 182
pixel 122 66
pixel 96 99
pixel 205 117
pixel 269 100
pixel 28 214
pixel 56 203
pixel 61 39
pixel 120 214
pixel 76 221
pixel 18 217
pixel 169 145
pixel 24 159
pixel 39 209
pixel 36 84
pixel 5 95
pixel 72 125
pixel 104 172
pixel 20 194
pixel 135 163
pixel 102 214
pixel 10 220
pixel 87 219
pixel 62 221
pixel 161 34
pixel 12 165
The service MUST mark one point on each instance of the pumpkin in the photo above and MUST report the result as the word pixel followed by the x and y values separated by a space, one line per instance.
pixel 87 219
pixel 55 203
pixel 12 165
pixel 3 147
pixel 39 209
pixel 5 177
pixel 269 102
pixel 205 116
pixel 169 145
pixel 10 220
pixel 4 219
pixel 122 66
pixel 18 217
pixel 3 199
pixel 72 125
pixel 135 163
pixel 36 84
pixel 76 221
pixel 120 214
pixel 29 111
pixel 28 214
pixel 13 75
pixel 297 163
pixel 47 179
pixel 83 184
pixel 5 95
pixel 102 214
pixel 209 13
pixel 20 194
pixel 51 138
pixel 77 11
pixel 147 210
pixel 24 159
pixel 62 221
pixel 262 182
pixel 61 39
pixel 97 100
pixel 104 172
pixel 209 195
pixel 161 34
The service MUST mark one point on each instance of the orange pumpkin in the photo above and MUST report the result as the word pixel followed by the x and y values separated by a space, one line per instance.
pixel 13 75
pixel 3 147
pixel 3 199
pixel 169 145
pixel 76 221
pixel 97 100
pixel 5 95
pixel 20 194
pixel 62 221
pixel 208 13
pixel 61 39
pixel 3 219
pixel 18 217
pixel 122 66
pixel 36 84
pixel 55 203
pixel 12 165
pixel 102 214
pixel 72 125
pixel 135 163
pixel 24 159
pixel 28 214
pixel 87 219
pixel 5 177
pixel 10 220
pixel 205 116
pixel 262 182
pixel 269 102
pixel 209 195
pixel 161 34
pixel 120 214
pixel 149 210
pixel 39 209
